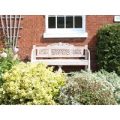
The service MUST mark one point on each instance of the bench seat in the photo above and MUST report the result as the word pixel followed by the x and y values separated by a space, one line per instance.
pixel 65 62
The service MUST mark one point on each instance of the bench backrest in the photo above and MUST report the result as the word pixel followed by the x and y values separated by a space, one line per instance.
pixel 59 50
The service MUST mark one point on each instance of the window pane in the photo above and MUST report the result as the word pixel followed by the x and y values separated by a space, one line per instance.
pixel 78 21
pixel 51 22
pixel 60 22
pixel 69 22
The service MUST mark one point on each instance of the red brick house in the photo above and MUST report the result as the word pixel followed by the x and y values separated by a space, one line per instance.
pixel 77 30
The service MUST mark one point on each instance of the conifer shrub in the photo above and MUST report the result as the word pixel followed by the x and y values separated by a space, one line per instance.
pixel 108 48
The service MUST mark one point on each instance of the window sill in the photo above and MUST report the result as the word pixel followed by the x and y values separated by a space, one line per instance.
pixel 65 35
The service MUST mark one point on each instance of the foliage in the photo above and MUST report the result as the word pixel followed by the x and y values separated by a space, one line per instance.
pixel 87 88
pixel 31 83
pixel 108 48
pixel 6 63
pixel 112 78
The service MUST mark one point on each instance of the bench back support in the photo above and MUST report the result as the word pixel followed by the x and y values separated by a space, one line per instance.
pixel 59 50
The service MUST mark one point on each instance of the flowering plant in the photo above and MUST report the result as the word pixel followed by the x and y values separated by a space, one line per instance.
pixel 3 54
pixel 6 62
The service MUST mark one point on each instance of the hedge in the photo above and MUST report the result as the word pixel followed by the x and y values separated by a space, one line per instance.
pixel 108 48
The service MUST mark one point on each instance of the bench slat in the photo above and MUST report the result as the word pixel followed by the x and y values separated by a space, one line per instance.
pixel 59 52
pixel 63 61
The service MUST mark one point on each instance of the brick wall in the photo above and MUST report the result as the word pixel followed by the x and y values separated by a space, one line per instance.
pixel 34 26
pixel 93 24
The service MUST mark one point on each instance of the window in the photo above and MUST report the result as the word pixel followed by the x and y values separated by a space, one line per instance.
pixel 78 22
pixel 65 26
pixel 60 22
pixel 69 21
pixel 52 21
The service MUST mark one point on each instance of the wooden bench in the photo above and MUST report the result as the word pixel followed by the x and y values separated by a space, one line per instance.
pixel 62 54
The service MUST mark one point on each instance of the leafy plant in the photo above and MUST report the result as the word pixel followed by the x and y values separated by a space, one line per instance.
pixel 31 83
pixel 112 78
pixel 108 48
pixel 6 63
pixel 87 88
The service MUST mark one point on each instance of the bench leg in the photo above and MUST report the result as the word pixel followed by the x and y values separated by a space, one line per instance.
pixel 87 68
pixel 59 68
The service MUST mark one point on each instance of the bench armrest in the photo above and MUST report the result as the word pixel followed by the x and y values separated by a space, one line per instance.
pixel 87 57
pixel 33 54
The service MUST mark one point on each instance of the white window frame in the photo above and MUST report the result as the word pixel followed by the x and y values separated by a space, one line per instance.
pixel 65 32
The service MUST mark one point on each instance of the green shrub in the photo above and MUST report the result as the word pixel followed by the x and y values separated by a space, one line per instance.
pixel 108 48
pixel 87 88
pixel 6 63
pixel 30 83
pixel 112 78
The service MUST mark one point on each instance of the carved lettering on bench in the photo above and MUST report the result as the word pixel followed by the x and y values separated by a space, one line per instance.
pixel 43 51
pixel 60 52
pixel 77 51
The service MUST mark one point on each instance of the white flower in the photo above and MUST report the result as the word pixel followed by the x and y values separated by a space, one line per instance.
pixel 3 54
pixel 16 49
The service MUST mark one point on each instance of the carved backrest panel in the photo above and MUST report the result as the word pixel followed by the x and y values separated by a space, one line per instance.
pixel 60 50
